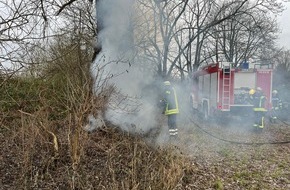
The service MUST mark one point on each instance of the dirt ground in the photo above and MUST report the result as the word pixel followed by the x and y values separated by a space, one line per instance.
pixel 235 156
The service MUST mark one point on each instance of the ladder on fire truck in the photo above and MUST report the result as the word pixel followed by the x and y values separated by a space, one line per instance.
pixel 226 80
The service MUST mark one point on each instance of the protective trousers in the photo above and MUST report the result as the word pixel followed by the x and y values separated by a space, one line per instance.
pixel 259 119
pixel 173 131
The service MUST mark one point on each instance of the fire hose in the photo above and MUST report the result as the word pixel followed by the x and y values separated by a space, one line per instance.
pixel 231 141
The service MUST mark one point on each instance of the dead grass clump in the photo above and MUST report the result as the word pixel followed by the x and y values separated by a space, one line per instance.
pixel 114 159
pixel 66 158
pixel 44 146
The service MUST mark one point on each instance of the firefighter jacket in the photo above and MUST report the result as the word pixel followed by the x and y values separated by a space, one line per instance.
pixel 170 101
pixel 276 102
pixel 259 101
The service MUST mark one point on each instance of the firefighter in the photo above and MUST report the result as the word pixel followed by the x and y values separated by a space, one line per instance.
pixel 170 108
pixel 258 100
pixel 276 106
pixel 251 96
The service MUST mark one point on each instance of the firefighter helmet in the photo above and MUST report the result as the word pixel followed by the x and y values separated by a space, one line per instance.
pixel 252 91
pixel 275 92
pixel 259 89
pixel 167 83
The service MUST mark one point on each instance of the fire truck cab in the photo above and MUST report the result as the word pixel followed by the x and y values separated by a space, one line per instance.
pixel 222 88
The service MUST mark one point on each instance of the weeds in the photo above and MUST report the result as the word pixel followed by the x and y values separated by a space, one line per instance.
pixel 44 146
pixel 47 147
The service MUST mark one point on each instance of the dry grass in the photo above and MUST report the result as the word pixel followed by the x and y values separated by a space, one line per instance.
pixel 40 153
pixel 44 146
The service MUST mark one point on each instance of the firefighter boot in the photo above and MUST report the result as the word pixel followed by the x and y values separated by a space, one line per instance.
pixel 273 119
pixel 262 123
pixel 256 128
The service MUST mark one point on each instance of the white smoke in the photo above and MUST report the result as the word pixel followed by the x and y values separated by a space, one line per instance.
pixel 115 65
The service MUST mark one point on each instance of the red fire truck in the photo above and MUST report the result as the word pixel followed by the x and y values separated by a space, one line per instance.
pixel 220 88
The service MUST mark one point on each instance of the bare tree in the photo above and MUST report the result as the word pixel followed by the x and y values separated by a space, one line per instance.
pixel 171 35
pixel 27 25
pixel 244 36
pixel 18 22
pixel 183 35
pixel 169 21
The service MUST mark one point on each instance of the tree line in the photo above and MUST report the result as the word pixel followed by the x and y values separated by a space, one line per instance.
pixel 172 37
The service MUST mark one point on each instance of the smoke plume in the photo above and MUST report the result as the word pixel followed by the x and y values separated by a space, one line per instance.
pixel 116 66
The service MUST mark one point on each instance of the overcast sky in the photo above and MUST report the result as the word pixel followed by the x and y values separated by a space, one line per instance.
pixel 285 27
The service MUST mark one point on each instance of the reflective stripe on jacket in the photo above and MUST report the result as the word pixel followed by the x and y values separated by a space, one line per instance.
pixel 260 104
pixel 171 102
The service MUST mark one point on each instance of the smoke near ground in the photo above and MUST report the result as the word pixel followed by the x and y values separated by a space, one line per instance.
pixel 132 103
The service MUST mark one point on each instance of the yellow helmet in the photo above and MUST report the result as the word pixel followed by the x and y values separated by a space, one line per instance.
pixel 167 83
pixel 252 91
